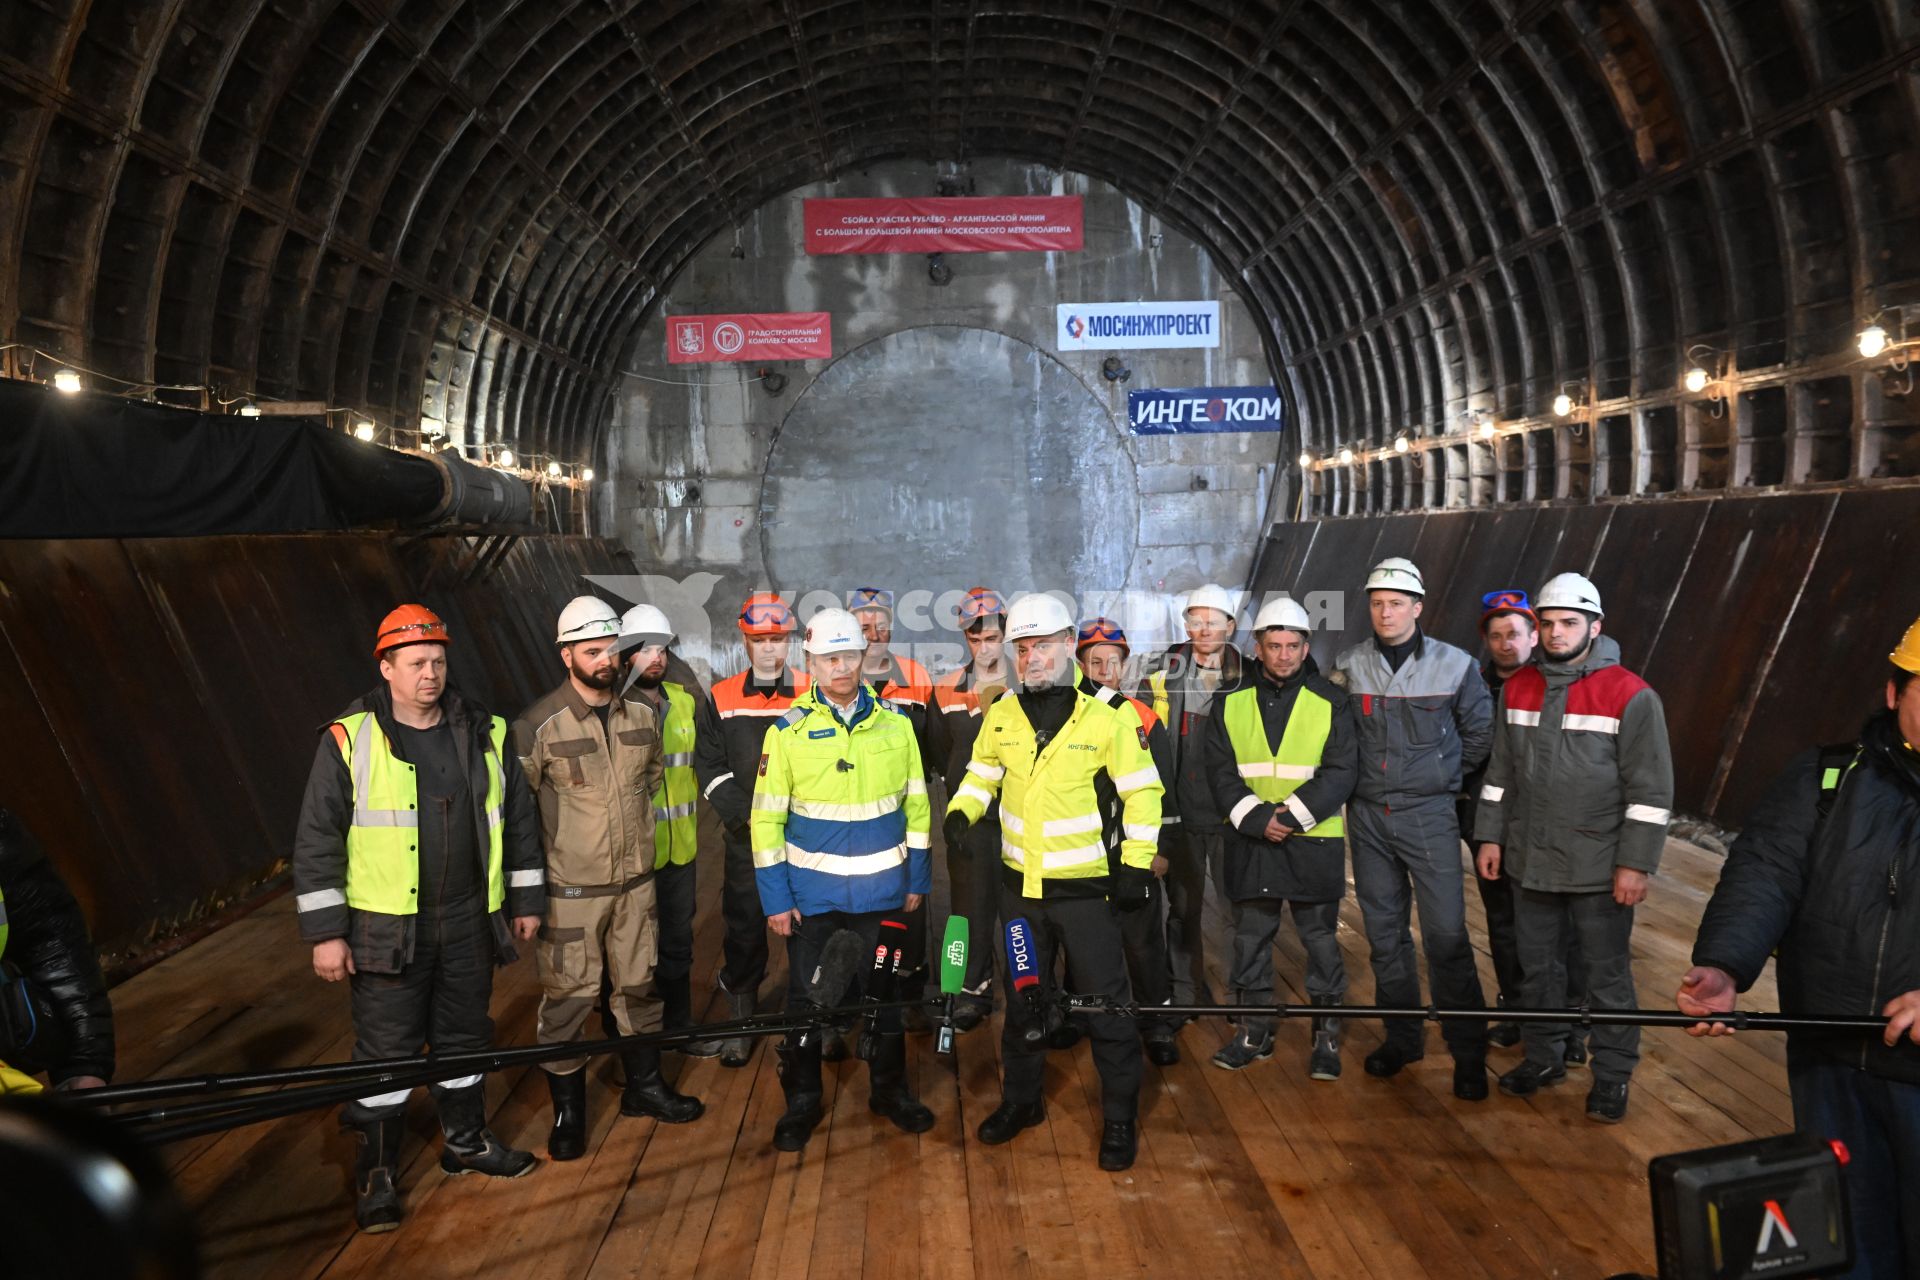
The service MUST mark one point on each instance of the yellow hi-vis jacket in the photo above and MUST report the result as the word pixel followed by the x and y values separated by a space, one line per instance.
pixel 1049 810
pixel 676 826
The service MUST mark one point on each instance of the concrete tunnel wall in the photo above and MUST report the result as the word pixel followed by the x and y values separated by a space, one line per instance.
pixel 947 443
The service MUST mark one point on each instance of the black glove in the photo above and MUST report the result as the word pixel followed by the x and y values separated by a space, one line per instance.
pixel 955 829
pixel 1132 887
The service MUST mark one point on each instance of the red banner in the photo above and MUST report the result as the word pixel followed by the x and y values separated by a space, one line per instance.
pixel 779 335
pixel 945 224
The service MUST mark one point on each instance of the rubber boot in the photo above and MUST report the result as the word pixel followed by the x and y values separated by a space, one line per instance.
pixel 376 1170
pixel 799 1071
pixel 737 1051
pixel 888 1094
pixel 470 1146
pixel 648 1093
pixel 568 1140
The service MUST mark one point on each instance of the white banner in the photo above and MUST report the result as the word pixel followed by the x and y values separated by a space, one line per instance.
pixel 1135 326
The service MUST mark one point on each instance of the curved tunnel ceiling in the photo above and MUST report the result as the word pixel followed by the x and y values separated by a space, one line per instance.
pixel 460 211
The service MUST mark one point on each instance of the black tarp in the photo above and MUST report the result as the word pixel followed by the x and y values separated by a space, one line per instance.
pixel 97 466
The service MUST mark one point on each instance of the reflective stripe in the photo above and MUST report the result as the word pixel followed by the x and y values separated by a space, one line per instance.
pixel 827 811
pixel 968 791
pixel 755 711
pixel 919 840
pixel 1292 772
pixel 1013 822
pixel 1138 831
pixel 1515 716
pixel 1301 814
pixel 362 783
pixel 990 772
pixel 1056 859
pixel 318 900
pixel 841 864
pixel 916 786
pixel 1165 821
pixel 1492 794
pixel 1592 724
pixel 673 811
pixel 494 818
pixel 1647 813
pixel 460 1082
pixel 1137 779
pixel 525 879
pixel 1070 826
pixel 712 786
pixel 677 759
pixel 1248 803
pixel 771 803
pixel 393 1099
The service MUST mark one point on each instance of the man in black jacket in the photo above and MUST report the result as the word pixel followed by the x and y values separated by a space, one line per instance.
pixel 1819 873
pixel 50 969
pixel 1282 758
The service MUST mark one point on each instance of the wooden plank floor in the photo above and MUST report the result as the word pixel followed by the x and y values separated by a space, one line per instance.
pixel 1257 1172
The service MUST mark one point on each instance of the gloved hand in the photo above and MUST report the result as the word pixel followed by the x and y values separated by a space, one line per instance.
pixel 955 829
pixel 1132 887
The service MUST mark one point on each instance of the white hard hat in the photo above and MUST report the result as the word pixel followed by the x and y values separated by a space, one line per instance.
pixel 587 618
pixel 1212 597
pixel 1037 614
pixel 834 631
pixel 1569 591
pixel 1282 612
pixel 643 625
pixel 1397 573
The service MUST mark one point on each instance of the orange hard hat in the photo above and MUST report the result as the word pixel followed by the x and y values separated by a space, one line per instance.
pixel 766 614
pixel 1906 655
pixel 409 624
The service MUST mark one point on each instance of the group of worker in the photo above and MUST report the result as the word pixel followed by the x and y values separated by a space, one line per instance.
pixel 1081 828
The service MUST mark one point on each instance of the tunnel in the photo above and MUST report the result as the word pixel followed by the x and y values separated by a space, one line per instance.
pixel 313 308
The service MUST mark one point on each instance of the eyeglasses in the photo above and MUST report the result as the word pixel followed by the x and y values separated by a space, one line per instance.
pixel 870 598
pixel 766 613
pixel 1506 599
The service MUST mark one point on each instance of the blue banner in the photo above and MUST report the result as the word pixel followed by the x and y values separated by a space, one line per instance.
pixel 1190 410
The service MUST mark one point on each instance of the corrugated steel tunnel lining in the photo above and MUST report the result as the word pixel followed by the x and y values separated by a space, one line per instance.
pixel 459 212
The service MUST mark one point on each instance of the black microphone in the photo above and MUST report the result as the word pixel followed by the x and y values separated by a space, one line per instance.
pixel 833 975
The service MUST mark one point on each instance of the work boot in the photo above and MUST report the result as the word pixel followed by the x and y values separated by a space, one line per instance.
pixel 1530 1078
pixel 737 1051
pixel 1324 1062
pixel 1470 1079
pixel 969 1011
pixel 1119 1144
pixel 1009 1118
pixel 1576 1055
pixel 1503 1035
pixel 1065 1034
pixel 568 1141
pixel 648 1093
pixel 1607 1101
pixel 1162 1049
pixel 677 995
pixel 470 1146
pixel 1390 1059
pixel 833 1043
pixel 1245 1049
pixel 376 1200
pixel 799 1072
pixel 888 1094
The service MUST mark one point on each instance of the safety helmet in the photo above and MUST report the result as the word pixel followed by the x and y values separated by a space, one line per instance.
pixel 870 598
pixel 1397 573
pixel 643 625
pixel 981 602
pixel 586 618
pixel 1507 600
pixel 1037 614
pixel 1569 591
pixel 1906 654
pixel 1101 631
pixel 1282 613
pixel 1211 597
pixel 409 624
pixel 834 631
pixel 766 614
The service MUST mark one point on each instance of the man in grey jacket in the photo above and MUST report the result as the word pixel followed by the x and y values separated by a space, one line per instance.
pixel 1574 810
pixel 1422 717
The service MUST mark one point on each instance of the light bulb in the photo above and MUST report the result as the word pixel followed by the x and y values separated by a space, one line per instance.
pixel 1696 380
pixel 1562 404
pixel 587 474
pixel 506 457
pixel 1400 444
pixel 66 382
pixel 1486 428
pixel 1873 340
pixel 249 410
pixel 363 429
pixel 1346 457
pixel 1306 459
pixel 553 468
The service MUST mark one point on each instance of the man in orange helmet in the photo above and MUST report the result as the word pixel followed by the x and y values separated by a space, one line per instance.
pixel 416 865
pixel 729 728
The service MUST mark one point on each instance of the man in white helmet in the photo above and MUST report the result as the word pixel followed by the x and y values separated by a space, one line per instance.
pixel 1048 752
pixel 1574 810
pixel 594 762
pixel 1182 686
pixel 1423 718
pixel 1283 763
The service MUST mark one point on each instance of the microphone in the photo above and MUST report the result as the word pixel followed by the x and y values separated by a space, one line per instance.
pixel 953 977
pixel 839 961
pixel 883 982
pixel 1025 969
